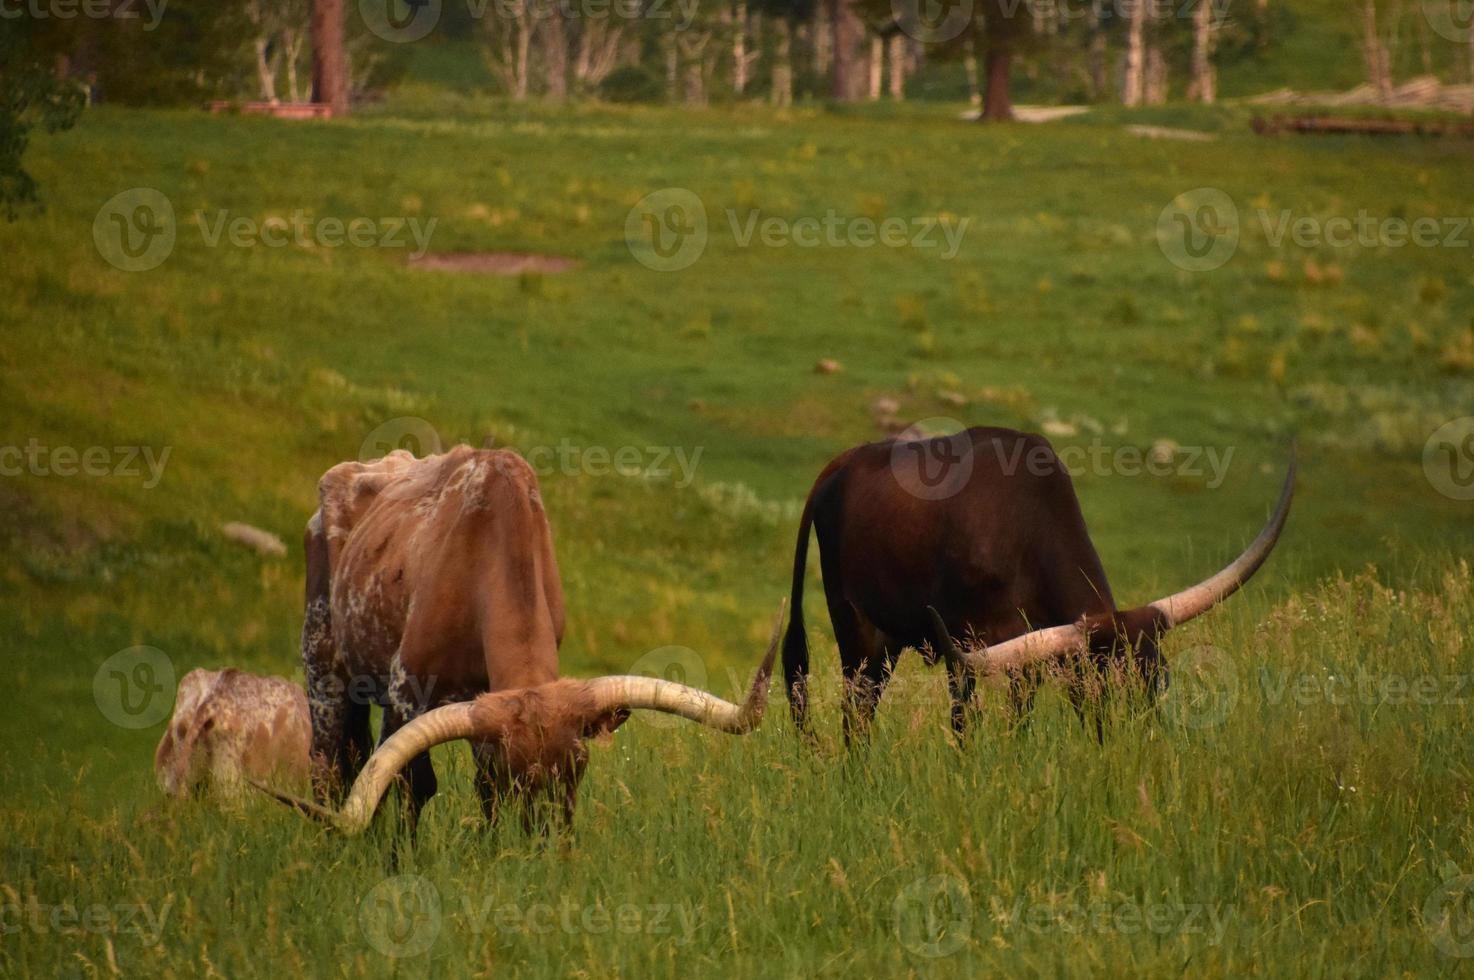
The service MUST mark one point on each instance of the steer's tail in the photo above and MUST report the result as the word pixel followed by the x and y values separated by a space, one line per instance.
pixel 796 641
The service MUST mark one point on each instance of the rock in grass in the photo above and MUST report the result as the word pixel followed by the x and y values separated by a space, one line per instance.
pixel 1163 451
pixel 259 541
pixel 828 365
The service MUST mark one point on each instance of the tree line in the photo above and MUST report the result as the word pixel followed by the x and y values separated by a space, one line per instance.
pixel 695 52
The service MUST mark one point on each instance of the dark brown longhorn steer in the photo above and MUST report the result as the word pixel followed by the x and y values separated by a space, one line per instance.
pixel 431 582
pixel 976 534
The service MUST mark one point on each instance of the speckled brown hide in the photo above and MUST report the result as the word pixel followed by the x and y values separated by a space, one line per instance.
pixel 429 581
pixel 228 725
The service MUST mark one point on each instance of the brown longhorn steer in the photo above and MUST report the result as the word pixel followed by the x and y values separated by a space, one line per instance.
pixel 978 534
pixel 431 582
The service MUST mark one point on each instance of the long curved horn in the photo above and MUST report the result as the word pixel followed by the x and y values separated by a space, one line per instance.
pixel 1176 609
pixel 1192 603
pixel 622 693
pixel 463 719
pixel 1012 654
pixel 482 719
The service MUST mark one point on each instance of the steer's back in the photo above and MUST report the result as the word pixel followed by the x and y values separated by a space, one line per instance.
pixel 985 523
pixel 442 569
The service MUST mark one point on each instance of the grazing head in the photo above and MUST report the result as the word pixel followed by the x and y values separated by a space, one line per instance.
pixel 1127 642
pixel 535 739
pixel 1128 637
pixel 537 746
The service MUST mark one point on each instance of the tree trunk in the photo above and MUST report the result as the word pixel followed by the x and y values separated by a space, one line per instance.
pixel 596 54
pixel 292 49
pixel 970 68
pixel 329 56
pixel 998 100
pixel 583 57
pixel 897 44
pixel 1133 87
pixel 672 66
pixel 1099 53
pixel 846 76
pixel 1205 76
pixel 874 76
pixel 822 30
pixel 265 72
pixel 554 35
pixel 782 94
pixel 522 57
pixel 1156 74
pixel 1425 45
pixel 739 48
pixel 692 46
pixel 1378 62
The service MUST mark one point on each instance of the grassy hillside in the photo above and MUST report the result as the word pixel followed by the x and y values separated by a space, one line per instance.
pixel 258 367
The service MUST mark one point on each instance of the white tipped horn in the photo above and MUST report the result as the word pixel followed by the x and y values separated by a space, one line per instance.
pixel 622 693
pixel 1188 604
pixel 1031 648
pixel 1176 609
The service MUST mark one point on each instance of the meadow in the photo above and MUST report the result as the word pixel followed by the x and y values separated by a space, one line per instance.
pixel 1298 804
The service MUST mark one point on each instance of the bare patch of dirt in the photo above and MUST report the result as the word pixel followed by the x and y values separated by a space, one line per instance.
pixel 495 263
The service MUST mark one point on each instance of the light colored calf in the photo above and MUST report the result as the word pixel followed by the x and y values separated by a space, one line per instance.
pixel 229 725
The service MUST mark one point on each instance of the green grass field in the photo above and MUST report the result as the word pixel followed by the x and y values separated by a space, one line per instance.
pixel 1299 805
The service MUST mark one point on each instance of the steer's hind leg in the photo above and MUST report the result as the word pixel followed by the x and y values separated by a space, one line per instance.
pixel 340 725
pixel 340 731
pixel 961 683
pixel 416 782
pixel 867 660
